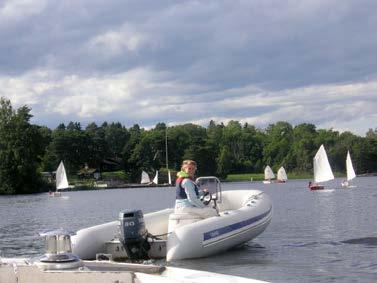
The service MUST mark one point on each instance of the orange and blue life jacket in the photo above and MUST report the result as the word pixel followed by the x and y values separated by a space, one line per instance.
pixel 180 191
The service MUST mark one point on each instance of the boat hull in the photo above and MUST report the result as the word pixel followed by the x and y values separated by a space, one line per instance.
pixel 217 234
pixel 316 187
pixel 89 242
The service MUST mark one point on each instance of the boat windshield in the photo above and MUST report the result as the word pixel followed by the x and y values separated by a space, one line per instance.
pixel 212 185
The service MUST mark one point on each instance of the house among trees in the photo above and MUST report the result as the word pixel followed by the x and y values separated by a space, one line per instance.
pixel 107 165
pixel 87 172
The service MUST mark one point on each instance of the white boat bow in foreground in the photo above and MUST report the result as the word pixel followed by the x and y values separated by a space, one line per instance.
pixel 18 270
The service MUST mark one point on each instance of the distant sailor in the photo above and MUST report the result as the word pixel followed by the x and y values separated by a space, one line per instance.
pixel 187 192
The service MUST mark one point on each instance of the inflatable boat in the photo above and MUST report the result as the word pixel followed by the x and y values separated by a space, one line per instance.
pixel 242 216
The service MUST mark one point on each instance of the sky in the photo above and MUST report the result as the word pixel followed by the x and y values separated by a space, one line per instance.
pixel 145 62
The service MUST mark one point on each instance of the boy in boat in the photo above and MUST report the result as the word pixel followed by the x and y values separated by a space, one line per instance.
pixel 187 192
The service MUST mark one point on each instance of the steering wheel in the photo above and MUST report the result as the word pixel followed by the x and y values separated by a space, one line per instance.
pixel 206 198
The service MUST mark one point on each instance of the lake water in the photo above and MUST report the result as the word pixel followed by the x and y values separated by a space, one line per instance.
pixel 313 237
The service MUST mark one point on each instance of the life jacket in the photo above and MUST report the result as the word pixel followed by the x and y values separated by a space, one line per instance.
pixel 179 190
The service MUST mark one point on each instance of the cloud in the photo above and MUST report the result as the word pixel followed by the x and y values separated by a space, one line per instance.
pixel 146 62
pixel 14 11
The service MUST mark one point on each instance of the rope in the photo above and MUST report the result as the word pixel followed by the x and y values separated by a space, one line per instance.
pixel 156 236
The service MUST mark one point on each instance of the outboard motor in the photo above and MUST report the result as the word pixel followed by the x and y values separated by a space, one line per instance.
pixel 133 234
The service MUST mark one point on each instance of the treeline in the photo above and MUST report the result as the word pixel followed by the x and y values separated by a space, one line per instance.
pixel 26 150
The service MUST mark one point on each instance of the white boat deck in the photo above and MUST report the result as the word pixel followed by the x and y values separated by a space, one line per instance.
pixel 20 271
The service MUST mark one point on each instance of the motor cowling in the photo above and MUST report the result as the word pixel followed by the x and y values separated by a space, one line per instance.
pixel 133 234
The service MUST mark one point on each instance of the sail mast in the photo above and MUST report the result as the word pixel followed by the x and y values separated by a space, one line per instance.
pixel 166 146
pixel 166 154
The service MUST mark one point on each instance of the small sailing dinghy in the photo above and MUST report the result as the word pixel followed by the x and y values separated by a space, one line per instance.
pixel 268 175
pixel 145 178
pixel 61 180
pixel 350 172
pixel 155 179
pixel 282 175
pixel 242 216
pixel 322 170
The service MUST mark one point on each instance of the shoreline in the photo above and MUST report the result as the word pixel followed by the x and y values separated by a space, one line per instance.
pixel 260 177
pixel 118 186
pixel 245 178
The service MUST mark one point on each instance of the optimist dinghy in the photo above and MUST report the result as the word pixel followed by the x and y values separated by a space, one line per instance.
pixel 243 215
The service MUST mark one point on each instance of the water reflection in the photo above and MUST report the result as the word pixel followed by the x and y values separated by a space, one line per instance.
pixel 325 213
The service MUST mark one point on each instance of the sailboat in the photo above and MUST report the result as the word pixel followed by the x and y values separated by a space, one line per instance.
pixel 322 169
pixel 61 180
pixel 145 178
pixel 268 175
pixel 155 179
pixel 282 175
pixel 350 172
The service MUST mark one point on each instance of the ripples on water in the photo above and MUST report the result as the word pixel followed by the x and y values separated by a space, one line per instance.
pixel 313 236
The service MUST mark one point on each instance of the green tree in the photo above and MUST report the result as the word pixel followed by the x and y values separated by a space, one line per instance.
pixel 21 148
pixel 116 137
pixel 70 144
pixel 98 148
pixel 223 168
pixel 345 142
pixel 233 144
pixel 178 142
pixel 130 161
pixel 142 158
pixel 253 149
pixel 370 152
pixel 303 148
pixel 276 151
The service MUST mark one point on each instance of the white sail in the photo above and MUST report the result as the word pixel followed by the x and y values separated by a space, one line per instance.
pixel 145 178
pixel 268 173
pixel 322 169
pixel 169 177
pixel 350 171
pixel 282 175
pixel 61 177
pixel 155 179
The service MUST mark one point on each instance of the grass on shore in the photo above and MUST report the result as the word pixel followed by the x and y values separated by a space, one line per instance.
pixel 120 175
